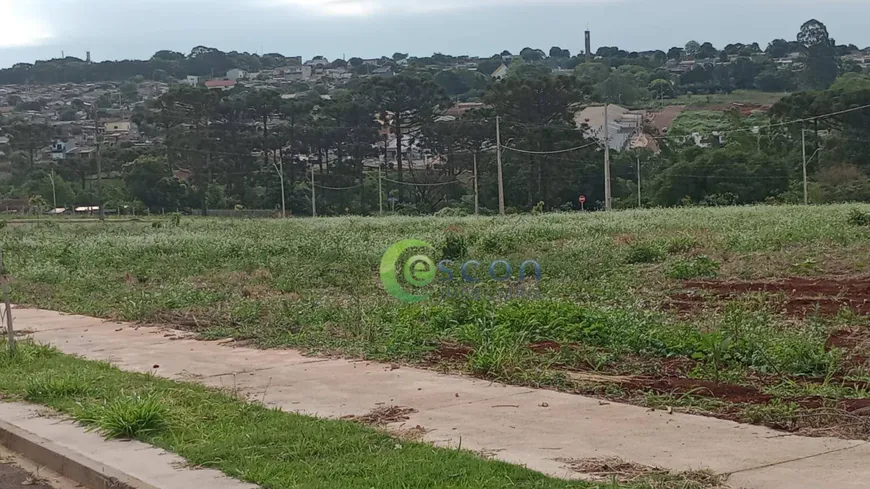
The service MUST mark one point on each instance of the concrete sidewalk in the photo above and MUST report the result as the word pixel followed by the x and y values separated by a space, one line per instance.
pixel 520 425
pixel 85 457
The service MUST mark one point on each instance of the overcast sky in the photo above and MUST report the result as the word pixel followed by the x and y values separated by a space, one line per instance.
pixel 117 29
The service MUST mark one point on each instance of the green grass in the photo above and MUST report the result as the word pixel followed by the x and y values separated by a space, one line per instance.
pixel 271 448
pixel 607 279
pixel 708 121
pixel 737 96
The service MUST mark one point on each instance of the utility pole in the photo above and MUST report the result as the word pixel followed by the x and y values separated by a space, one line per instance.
pixel 639 134
pixel 53 191
pixel 281 177
pixel 380 190
pixel 804 150
pixel 476 190
pixel 608 201
pixel 498 160
pixel 99 164
pixel 313 197
pixel 639 205
pixel 4 284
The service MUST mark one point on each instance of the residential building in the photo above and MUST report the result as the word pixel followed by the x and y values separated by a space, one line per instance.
pixel 117 126
pixel 383 72
pixel 237 74
pixel 62 149
pixel 623 125
pixel 223 85
pixel 500 72
pixel 463 107
pixel 191 80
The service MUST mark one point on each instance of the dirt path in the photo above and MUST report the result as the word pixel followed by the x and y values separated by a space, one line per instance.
pixel 537 428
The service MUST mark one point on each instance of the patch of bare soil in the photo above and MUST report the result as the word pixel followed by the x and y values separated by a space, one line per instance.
pixel 450 352
pixel 607 469
pixel 796 296
pixel 383 415
pixel 664 118
pixel 855 343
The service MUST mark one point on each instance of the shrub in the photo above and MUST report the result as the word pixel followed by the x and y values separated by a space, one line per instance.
pixel 644 253
pixel 681 244
pixel 451 212
pixel 697 267
pixel 127 417
pixel 455 247
pixel 858 218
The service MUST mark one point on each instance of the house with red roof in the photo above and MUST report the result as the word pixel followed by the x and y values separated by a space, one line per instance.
pixel 223 85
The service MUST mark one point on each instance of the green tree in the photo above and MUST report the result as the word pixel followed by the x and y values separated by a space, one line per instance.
pixel 129 92
pixel 819 57
pixel 263 104
pixel 592 73
pixel 774 80
pixel 531 55
pixel 557 52
pixel 778 48
pixel 149 180
pixel 692 48
pixel 538 115
pixel 29 138
pixel 661 88
pixel 706 50
pixel 621 87
pixel 850 82
pixel 405 104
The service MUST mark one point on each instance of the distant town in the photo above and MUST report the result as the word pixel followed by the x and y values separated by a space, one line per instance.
pixel 57 115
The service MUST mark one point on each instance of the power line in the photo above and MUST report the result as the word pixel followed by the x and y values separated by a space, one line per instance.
pixel 517 150
pixel 421 184
pixel 338 188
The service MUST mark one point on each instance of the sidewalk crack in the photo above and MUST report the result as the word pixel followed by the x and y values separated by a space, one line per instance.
pixel 798 459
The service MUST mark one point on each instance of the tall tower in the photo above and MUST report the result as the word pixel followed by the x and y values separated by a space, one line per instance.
pixel 588 45
pixel 88 57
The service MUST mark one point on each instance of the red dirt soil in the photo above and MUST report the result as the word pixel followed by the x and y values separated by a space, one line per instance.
pixel 801 296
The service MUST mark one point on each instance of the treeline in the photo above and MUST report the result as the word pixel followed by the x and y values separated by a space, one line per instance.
pixel 201 61
pixel 749 66
pixel 233 149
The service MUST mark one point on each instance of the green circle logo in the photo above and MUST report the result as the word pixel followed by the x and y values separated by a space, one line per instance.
pixel 418 270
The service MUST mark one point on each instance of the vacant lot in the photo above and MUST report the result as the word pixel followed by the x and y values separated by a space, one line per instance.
pixel 737 96
pixel 755 314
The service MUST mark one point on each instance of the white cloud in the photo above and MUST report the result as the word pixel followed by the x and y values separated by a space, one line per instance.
pixel 21 26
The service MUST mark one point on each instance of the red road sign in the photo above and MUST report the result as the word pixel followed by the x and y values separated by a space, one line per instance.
pixel 582 199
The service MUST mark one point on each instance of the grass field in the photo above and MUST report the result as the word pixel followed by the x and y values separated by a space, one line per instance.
pixel 754 97
pixel 753 313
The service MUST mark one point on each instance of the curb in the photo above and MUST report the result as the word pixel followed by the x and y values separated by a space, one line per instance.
pixel 68 463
